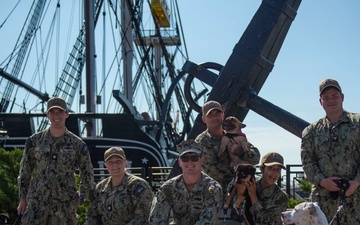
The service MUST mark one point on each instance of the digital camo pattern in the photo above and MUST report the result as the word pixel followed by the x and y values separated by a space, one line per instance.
pixel 219 167
pixel 129 203
pixel 47 178
pixel 349 213
pixel 333 150
pixel 271 202
pixel 202 205
pixel 188 144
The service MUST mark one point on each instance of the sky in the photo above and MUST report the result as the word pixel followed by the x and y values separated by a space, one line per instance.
pixel 323 42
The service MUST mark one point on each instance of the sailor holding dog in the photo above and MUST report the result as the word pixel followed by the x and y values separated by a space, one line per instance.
pixel 266 200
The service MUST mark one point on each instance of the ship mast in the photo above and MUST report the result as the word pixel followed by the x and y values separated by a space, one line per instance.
pixel 90 65
pixel 127 50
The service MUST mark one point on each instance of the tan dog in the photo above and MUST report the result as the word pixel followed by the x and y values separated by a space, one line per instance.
pixel 232 127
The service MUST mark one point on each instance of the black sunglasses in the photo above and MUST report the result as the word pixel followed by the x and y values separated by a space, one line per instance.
pixel 194 158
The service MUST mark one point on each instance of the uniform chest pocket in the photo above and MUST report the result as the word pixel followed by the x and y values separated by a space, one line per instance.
pixel 67 157
pixel 41 152
pixel 180 207
pixel 323 142
pixel 121 201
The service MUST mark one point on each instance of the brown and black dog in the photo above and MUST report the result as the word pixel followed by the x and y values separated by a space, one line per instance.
pixel 232 127
pixel 243 173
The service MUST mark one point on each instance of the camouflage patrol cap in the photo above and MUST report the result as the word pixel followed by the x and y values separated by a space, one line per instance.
pixel 328 83
pixel 189 146
pixel 272 158
pixel 209 106
pixel 114 151
pixel 56 102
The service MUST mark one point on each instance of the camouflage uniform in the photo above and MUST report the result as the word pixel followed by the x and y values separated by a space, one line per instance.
pixel 333 150
pixel 201 205
pixel 218 167
pixel 271 202
pixel 128 203
pixel 47 178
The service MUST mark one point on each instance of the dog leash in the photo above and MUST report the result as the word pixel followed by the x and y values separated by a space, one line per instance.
pixel 225 214
pixel 18 220
pixel 228 201
pixel 343 184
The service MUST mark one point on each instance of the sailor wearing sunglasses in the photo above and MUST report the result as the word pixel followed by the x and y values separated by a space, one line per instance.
pixel 192 197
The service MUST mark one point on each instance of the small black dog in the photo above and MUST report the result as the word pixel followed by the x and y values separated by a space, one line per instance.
pixel 243 173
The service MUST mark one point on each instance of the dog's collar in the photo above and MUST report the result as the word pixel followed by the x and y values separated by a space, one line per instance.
pixel 235 133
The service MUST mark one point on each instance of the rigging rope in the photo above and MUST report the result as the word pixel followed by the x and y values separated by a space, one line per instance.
pixel 2 24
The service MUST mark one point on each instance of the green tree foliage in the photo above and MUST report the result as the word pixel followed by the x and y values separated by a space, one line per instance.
pixel 82 209
pixel 9 198
pixel 9 170
pixel 81 212
pixel 293 202
pixel 305 186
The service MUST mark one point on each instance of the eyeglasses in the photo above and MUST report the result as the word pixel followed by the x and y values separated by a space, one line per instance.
pixel 194 158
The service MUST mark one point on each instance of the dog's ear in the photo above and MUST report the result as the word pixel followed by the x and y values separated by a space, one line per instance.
pixel 311 208
pixel 253 170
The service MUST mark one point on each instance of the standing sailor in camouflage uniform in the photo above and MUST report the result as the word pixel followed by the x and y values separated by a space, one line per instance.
pixel 193 197
pixel 47 187
pixel 266 200
pixel 330 150
pixel 122 198
pixel 218 167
